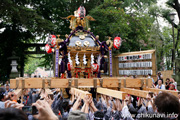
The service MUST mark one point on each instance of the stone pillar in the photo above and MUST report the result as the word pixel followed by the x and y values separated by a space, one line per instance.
pixel 14 72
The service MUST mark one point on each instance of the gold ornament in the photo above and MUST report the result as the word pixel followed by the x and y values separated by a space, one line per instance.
pixel 78 43
pixel 86 43
pixel 82 37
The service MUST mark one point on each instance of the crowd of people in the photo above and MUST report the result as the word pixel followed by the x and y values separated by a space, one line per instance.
pixel 170 83
pixel 99 107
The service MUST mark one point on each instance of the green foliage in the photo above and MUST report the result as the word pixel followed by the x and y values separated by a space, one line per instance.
pixel 21 24
pixel 32 63
pixel 112 20
pixel 132 20
pixel 25 20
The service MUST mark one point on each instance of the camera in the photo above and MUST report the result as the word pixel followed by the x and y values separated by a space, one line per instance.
pixel 30 110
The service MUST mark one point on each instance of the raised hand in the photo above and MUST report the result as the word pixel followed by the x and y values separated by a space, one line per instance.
pixel 44 111
pixel 13 104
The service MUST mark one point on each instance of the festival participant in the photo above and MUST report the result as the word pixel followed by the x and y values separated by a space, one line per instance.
pixel 58 103
pixel 12 114
pixel 174 82
pixel 149 76
pixel 2 97
pixel 172 87
pixel 105 108
pixel 12 96
pixel 98 115
pixel 167 104
pixel 159 77
pixel 44 111
pixel 77 115
pixel 167 83
pixel 5 103
pixel 160 85
pixel 6 84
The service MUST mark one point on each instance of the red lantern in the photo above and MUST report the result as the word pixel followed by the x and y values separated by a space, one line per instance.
pixel 117 42
pixel 53 40
pixel 48 48
pixel 69 66
pixel 95 67
pixel 81 12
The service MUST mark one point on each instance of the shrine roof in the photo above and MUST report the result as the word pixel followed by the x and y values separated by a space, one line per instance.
pixel 82 40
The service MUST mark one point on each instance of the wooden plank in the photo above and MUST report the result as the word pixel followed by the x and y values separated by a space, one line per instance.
pixel 135 92
pixel 154 66
pixel 12 83
pixel 64 83
pixel 59 83
pixel 47 83
pixel 147 83
pixel 133 82
pixel 81 92
pixel 18 92
pixel 85 82
pixel 137 52
pixel 33 83
pixel 110 82
pixel 155 90
pixel 167 74
pixel 20 83
pixel 112 93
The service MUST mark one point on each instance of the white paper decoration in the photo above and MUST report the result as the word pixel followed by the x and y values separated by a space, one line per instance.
pixel 77 59
pixel 84 60
pixel 92 59
pixel 69 58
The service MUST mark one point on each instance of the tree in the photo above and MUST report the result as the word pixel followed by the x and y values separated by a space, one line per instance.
pixel 21 24
pixel 32 63
pixel 166 34
pixel 112 19
pixel 25 20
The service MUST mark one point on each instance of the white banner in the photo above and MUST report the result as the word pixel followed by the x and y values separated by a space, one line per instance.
pixel 135 64
pixel 135 72
pixel 136 57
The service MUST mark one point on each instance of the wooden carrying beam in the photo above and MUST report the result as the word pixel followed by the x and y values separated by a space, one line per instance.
pixel 112 93
pixel 135 83
pixel 59 83
pixel 78 83
pixel 155 90
pixel 110 82
pixel 139 93
pixel 33 83
pixel 81 92
pixel 18 92
pixel 130 82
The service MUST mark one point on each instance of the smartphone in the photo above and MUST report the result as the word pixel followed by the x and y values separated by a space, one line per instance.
pixel 30 110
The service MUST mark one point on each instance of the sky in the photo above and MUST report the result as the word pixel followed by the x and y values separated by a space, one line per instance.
pixel 163 22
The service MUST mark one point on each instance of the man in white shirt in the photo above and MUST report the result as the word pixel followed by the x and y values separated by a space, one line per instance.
pixel 160 85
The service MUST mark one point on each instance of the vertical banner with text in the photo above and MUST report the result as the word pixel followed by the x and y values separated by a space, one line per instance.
pixel 110 62
pixel 57 63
